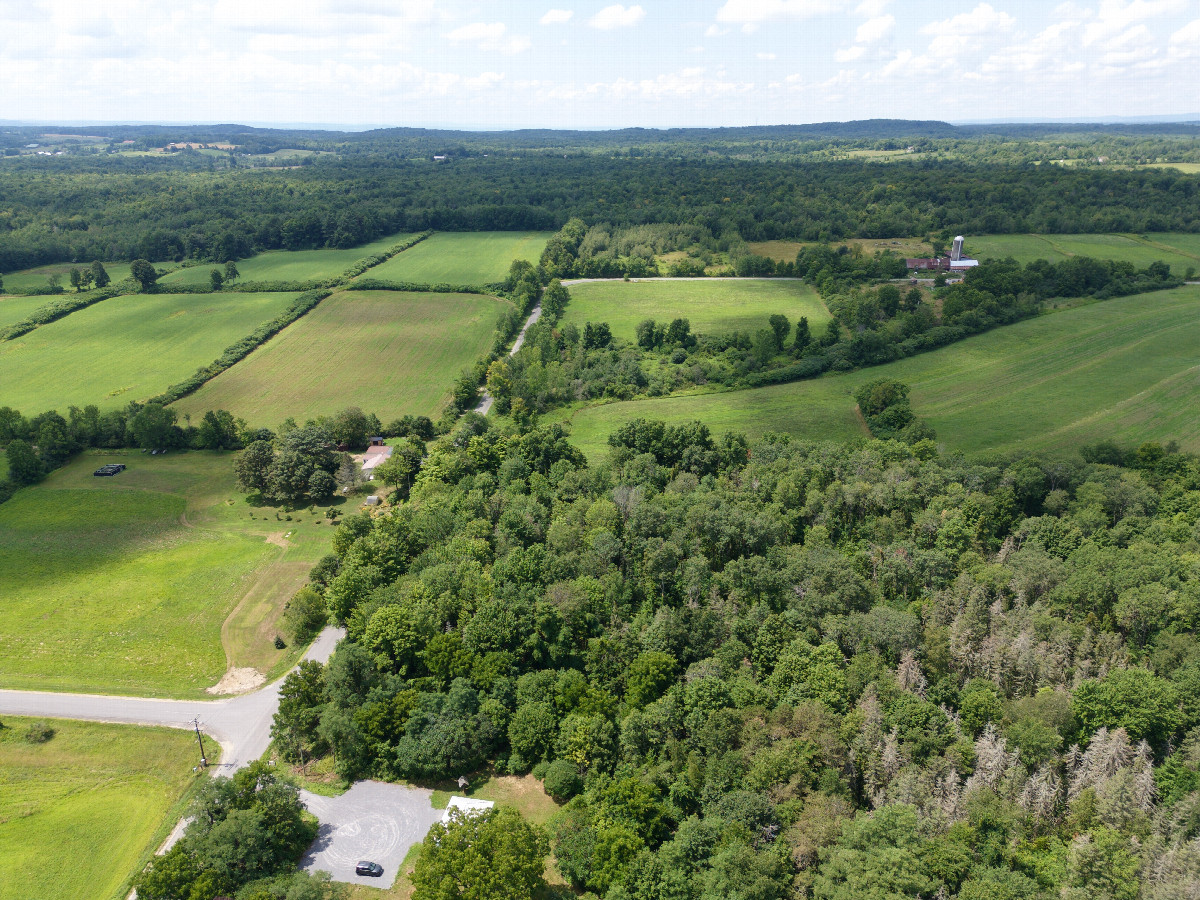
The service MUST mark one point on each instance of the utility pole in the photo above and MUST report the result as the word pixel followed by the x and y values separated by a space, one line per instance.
pixel 203 758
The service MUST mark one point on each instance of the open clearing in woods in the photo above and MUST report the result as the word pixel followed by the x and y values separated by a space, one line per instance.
pixel 391 352
pixel 468 257
pixel 126 348
pixel 713 306
pixel 1123 370
pixel 285 265
pixel 79 812
pixel 121 585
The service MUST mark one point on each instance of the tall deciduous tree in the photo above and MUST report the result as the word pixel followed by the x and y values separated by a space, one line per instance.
pixel 143 273
pixel 494 856
pixel 100 274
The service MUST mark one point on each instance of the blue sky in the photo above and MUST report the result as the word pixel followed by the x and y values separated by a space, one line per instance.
pixel 575 64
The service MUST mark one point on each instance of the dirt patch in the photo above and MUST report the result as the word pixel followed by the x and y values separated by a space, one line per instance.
pixel 238 681
pixel 279 539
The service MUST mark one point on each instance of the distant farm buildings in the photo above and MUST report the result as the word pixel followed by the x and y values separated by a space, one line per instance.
pixel 375 455
pixel 955 262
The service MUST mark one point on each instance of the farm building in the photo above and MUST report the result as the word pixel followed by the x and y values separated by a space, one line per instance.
pixel 374 456
pixel 955 262
pixel 466 806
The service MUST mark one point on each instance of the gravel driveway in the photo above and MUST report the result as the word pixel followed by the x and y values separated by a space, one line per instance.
pixel 371 821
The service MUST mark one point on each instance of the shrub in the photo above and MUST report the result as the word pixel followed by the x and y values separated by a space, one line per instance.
pixel 562 781
pixel 38 733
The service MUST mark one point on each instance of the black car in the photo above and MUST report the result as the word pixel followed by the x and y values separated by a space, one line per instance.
pixel 110 469
pixel 368 868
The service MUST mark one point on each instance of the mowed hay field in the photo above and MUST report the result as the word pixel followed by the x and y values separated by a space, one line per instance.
pixel 390 352
pixel 126 348
pixel 1126 370
pixel 712 306
pixel 16 309
pixel 477 258
pixel 1178 251
pixel 122 585
pixel 32 279
pixel 78 812
pixel 283 265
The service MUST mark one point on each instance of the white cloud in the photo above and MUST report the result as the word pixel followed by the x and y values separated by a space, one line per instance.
pixel 983 19
pixel 557 17
pixel 1185 43
pixel 871 9
pixel 875 29
pixel 489 37
pixel 1114 17
pixel 765 56
pixel 715 31
pixel 849 54
pixel 617 16
pixel 755 12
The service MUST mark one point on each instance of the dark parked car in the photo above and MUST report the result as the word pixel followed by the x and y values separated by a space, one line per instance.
pixel 110 469
pixel 368 868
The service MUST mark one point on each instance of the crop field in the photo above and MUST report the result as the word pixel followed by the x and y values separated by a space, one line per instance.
pixel 1184 244
pixel 1124 370
pixel 1141 251
pixel 480 257
pixel 79 812
pixel 390 352
pixel 1024 248
pixel 284 265
pixel 785 251
pixel 15 309
pixel 712 306
pixel 126 348
pixel 31 279
pixel 124 585
pixel 1187 168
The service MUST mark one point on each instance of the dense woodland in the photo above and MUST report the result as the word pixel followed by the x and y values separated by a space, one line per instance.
pixel 79 209
pixel 785 669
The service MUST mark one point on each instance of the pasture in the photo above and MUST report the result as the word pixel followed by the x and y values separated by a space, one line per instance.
pixel 17 309
pixel 284 265
pixel 81 811
pixel 477 258
pixel 785 251
pixel 126 348
pixel 151 582
pixel 32 279
pixel 1124 370
pixel 390 352
pixel 1141 251
pixel 712 306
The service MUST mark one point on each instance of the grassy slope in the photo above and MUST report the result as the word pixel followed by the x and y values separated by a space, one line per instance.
pixel 28 279
pixel 713 307
pixel 463 257
pixel 78 812
pixel 392 353
pixel 281 265
pixel 121 585
pixel 16 309
pixel 126 348
pixel 1124 370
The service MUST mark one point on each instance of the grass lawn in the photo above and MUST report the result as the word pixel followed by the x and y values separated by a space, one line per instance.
pixel 17 309
pixel 480 257
pixel 713 306
pixel 283 265
pixel 1123 369
pixel 29 279
pixel 149 583
pixel 80 812
pixel 126 348
pixel 390 352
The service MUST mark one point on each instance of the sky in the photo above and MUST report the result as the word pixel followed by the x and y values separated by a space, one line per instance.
pixel 583 64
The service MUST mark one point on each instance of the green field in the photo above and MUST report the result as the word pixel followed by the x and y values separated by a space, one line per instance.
pixel 31 279
pixel 480 257
pixel 15 309
pixel 282 265
pixel 79 812
pixel 1187 168
pixel 1175 250
pixel 146 583
pixel 712 306
pixel 1125 370
pixel 391 353
pixel 126 348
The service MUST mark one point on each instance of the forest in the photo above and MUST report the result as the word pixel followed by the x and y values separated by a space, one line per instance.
pixel 784 669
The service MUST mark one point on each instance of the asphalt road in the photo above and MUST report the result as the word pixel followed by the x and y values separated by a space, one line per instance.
pixel 371 821
pixel 242 725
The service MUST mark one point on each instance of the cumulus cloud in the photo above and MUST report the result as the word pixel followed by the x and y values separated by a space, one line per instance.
pixel 849 54
pixel 755 12
pixel 557 17
pixel 983 19
pixel 617 16
pixel 490 37
pixel 1188 34
pixel 1115 17
pixel 875 29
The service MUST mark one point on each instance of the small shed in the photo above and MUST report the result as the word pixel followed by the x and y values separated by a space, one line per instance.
pixel 377 441
pixel 466 806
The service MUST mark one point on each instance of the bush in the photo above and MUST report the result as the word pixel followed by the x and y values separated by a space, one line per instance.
pixel 304 614
pixel 562 781
pixel 38 733
pixel 280 643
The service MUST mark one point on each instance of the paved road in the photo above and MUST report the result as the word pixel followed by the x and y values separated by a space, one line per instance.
pixel 242 725
pixel 372 821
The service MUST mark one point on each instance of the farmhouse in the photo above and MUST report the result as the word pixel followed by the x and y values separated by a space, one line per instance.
pixel 376 454
pixel 955 262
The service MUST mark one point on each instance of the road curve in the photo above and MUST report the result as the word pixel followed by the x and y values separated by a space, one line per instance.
pixel 242 725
